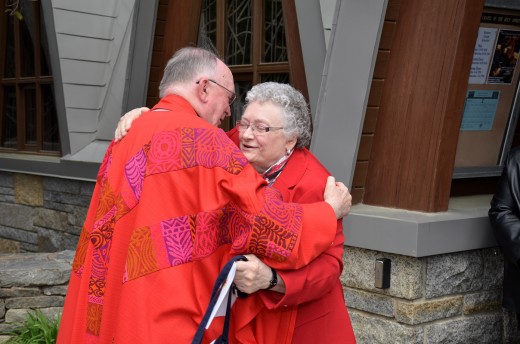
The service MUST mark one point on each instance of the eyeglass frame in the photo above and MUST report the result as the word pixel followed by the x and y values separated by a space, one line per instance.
pixel 233 94
pixel 254 128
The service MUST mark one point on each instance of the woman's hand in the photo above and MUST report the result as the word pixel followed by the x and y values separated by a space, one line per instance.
pixel 253 275
pixel 125 122
pixel 338 196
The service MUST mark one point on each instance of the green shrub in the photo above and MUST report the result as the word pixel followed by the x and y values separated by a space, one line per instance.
pixel 36 329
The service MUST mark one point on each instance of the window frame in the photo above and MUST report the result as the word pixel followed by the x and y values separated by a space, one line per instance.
pixel 22 83
pixel 181 31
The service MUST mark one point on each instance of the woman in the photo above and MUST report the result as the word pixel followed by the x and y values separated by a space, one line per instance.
pixel 309 302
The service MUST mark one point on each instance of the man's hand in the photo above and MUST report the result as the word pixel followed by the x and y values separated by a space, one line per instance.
pixel 253 275
pixel 125 122
pixel 338 196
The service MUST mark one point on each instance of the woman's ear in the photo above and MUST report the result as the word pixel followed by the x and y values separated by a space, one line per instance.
pixel 290 144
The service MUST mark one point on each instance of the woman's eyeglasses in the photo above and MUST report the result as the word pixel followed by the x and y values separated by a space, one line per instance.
pixel 258 129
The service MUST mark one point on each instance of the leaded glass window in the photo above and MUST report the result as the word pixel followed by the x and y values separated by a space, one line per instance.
pixel 275 48
pixel 250 36
pixel 239 32
pixel 28 119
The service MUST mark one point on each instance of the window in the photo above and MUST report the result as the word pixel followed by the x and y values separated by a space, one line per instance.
pixel 28 120
pixel 251 36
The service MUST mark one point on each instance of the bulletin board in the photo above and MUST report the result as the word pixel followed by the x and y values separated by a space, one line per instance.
pixel 490 114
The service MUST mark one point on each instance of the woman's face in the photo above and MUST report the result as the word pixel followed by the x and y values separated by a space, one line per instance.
pixel 264 149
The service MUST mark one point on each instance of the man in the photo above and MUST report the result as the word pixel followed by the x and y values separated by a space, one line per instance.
pixel 173 201
pixel 504 215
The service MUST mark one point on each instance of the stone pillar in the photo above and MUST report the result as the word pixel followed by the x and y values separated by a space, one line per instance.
pixel 450 298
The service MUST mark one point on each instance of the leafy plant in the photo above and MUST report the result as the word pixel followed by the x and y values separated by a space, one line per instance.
pixel 36 329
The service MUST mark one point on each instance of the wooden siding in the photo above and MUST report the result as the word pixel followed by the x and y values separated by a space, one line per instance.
pixel 171 35
pixel 93 47
pixel 414 143
pixel 156 67
pixel 373 106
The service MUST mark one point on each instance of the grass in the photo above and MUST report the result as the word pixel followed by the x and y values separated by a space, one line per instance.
pixel 36 329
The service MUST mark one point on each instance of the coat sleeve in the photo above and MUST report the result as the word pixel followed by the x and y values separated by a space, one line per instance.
pixel 283 234
pixel 314 280
pixel 504 211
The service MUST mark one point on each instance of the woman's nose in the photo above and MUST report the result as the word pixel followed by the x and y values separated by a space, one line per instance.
pixel 248 132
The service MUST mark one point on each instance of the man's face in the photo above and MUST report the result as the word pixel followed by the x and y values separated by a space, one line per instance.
pixel 221 91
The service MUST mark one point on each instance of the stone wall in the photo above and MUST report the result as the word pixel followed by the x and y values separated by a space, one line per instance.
pixel 41 214
pixel 32 281
pixel 452 298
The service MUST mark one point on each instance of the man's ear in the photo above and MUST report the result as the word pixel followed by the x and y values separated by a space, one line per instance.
pixel 202 90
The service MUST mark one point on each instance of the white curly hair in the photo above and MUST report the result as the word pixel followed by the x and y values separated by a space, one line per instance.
pixel 295 111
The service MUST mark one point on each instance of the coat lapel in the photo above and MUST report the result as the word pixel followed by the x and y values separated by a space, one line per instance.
pixel 292 173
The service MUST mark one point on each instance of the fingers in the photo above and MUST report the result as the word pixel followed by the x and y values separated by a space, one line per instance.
pixel 330 187
pixel 125 122
pixel 251 275
pixel 122 128
pixel 338 196
pixel 120 132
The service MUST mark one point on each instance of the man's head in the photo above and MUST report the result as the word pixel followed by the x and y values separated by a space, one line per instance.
pixel 200 77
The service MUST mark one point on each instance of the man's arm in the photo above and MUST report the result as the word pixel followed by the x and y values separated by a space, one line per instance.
pixel 503 213
pixel 336 193
pixel 304 284
pixel 295 286
pixel 303 243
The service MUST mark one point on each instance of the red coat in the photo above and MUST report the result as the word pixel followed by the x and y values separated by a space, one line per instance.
pixel 314 290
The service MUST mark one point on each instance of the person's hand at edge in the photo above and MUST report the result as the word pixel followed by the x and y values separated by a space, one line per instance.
pixel 125 122
pixel 254 275
pixel 338 196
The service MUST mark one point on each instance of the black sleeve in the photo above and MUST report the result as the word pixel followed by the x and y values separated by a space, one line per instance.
pixel 504 211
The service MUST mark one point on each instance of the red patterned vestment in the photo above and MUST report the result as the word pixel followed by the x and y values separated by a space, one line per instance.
pixel 173 201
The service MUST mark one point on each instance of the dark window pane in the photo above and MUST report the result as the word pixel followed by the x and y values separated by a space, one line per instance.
pixel 23 110
pixel 208 26
pixel 280 77
pixel 274 38
pixel 8 138
pixel 51 134
pixel 46 71
pixel 239 26
pixel 27 41
pixel 241 88
pixel 30 116
pixel 45 68
pixel 9 70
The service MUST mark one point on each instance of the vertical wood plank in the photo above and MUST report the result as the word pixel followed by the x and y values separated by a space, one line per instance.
pixel 422 103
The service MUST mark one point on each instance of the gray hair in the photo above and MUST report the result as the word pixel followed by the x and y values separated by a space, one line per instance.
pixel 295 111
pixel 185 65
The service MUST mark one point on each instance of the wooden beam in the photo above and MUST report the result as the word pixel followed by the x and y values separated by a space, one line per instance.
pixel 415 141
pixel 181 30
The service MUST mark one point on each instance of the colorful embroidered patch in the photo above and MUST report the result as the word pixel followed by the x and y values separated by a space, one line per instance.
pixel 188 238
pixel 81 252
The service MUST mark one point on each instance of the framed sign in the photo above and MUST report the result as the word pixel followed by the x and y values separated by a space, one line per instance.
pixel 491 108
